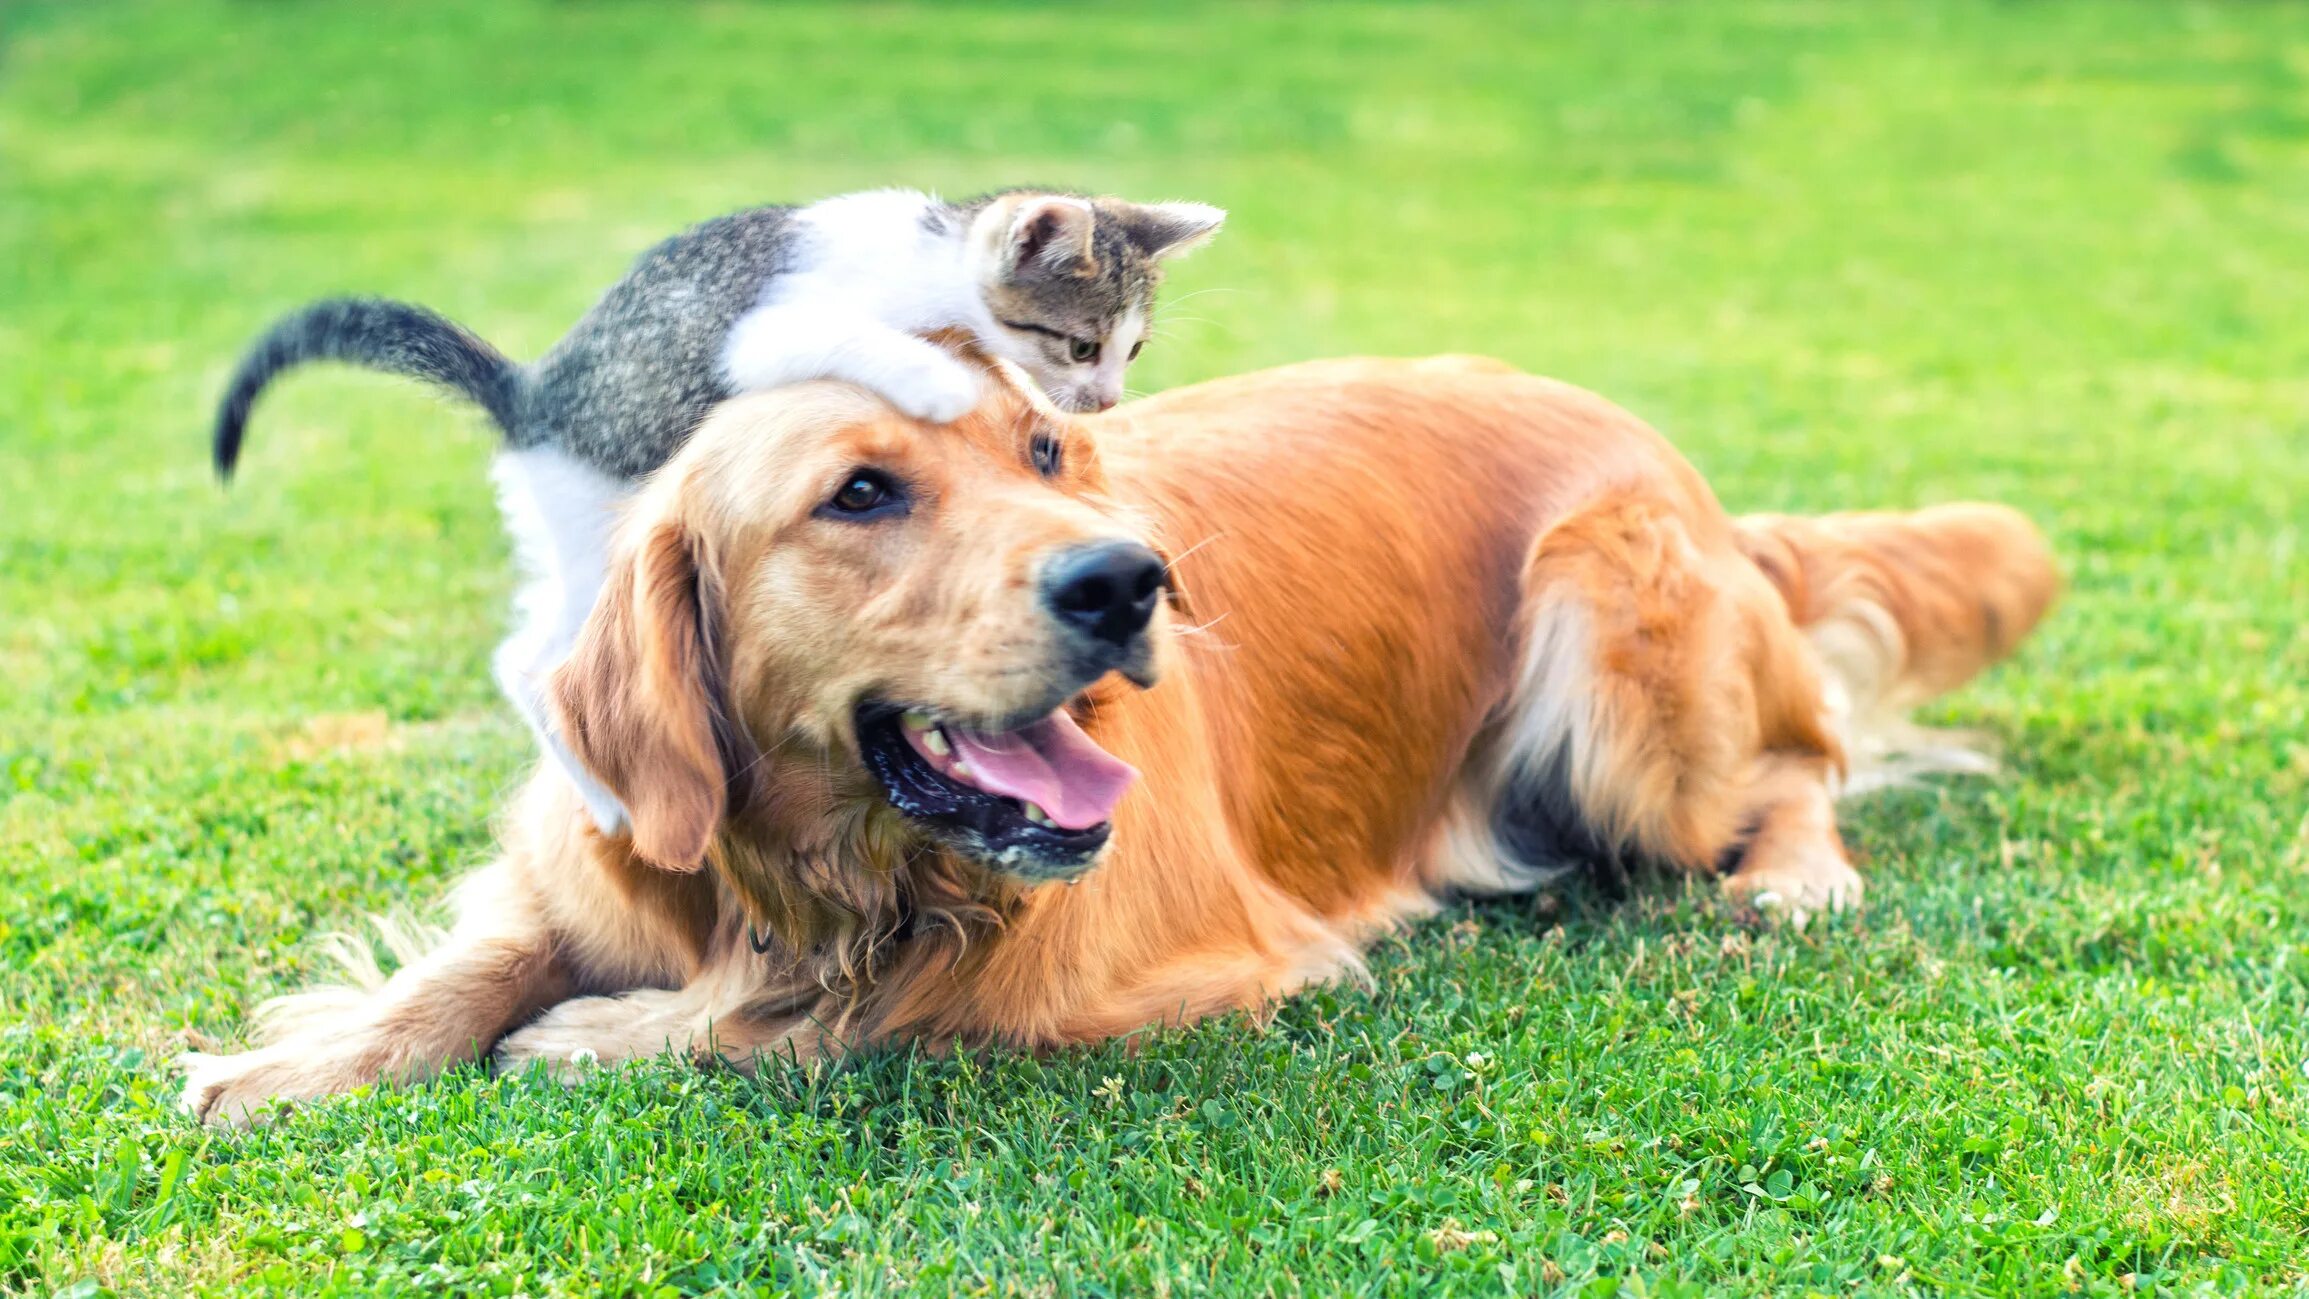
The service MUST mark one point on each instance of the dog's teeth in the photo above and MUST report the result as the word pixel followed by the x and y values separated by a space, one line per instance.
pixel 1035 814
pixel 915 721
pixel 960 770
pixel 936 742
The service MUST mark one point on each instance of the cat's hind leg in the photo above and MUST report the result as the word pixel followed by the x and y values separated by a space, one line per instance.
pixel 562 514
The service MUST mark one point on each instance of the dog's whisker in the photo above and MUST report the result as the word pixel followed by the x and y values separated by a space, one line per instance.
pixel 1197 546
pixel 1202 630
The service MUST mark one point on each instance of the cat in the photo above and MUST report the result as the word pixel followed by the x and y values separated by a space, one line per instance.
pixel 845 288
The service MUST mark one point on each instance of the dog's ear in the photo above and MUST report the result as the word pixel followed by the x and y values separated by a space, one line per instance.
pixel 641 700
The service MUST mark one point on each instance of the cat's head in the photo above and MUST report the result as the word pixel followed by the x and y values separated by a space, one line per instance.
pixel 1070 283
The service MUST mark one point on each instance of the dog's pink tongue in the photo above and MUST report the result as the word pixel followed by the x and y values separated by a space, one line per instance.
pixel 1051 763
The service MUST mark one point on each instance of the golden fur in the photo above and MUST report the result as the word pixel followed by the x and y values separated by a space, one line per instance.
pixel 1452 628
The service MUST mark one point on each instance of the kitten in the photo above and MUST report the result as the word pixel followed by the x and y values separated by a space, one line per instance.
pixel 841 289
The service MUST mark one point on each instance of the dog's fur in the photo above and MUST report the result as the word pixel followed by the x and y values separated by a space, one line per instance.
pixel 1444 627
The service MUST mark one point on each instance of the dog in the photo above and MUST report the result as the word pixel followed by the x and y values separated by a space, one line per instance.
pixel 1038 729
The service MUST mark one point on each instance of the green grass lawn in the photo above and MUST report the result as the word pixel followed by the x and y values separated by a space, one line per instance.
pixel 1846 255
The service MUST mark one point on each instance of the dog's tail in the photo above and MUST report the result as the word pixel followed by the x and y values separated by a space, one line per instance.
pixel 392 336
pixel 1901 607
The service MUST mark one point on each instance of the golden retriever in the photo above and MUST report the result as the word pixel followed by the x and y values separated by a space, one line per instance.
pixel 1037 729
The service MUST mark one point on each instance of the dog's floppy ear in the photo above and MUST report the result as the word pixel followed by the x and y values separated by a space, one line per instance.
pixel 641 699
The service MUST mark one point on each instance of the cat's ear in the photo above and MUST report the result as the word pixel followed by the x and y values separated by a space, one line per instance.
pixel 1160 230
pixel 1049 235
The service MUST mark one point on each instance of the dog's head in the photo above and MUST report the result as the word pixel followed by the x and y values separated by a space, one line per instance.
pixel 824 607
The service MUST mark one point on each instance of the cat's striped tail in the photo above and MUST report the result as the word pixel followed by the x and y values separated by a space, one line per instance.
pixel 396 337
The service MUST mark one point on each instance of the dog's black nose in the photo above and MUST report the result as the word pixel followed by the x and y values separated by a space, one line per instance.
pixel 1107 590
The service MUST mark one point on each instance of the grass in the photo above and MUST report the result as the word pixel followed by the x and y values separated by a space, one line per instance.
pixel 1845 255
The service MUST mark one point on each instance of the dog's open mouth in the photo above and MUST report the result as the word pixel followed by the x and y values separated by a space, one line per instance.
pixel 1035 801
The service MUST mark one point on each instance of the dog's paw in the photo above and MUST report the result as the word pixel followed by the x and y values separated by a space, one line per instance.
pixel 523 1053
pixel 232 1090
pixel 1796 888
pixel 586 1033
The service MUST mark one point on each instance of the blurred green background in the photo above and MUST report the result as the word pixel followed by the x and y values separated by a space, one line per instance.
pixel 1845 255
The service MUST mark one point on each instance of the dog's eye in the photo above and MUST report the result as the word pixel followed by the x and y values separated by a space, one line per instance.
pixel 1048 455
pixel 1137 348
pixel 1082 349
pixel 868 492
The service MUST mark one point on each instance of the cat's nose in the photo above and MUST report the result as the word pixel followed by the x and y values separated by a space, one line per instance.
pixel 1102 402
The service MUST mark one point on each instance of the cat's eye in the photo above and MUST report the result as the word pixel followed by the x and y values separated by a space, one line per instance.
pixel 1048 455
pixel 1082 349
pixel 1137 348
pixel 866 493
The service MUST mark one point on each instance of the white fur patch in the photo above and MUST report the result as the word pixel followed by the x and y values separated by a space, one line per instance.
pixel 1545 736
pixel 1860 651
pixel 870 274
pixel 1468 855
pixel 562 513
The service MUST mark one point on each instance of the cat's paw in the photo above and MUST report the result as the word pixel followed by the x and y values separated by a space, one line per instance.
pixel 938 393
pixel 608 813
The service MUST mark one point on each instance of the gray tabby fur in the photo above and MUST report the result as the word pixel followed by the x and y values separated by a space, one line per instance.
pixel 624 389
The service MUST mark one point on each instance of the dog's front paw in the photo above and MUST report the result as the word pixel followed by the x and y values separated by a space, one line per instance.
pixel 1797 887
pixel 527 1052
pixel 586 1033
pixel 234 1090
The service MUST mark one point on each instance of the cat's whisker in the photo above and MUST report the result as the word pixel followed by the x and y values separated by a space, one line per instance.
pixel 1189 297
